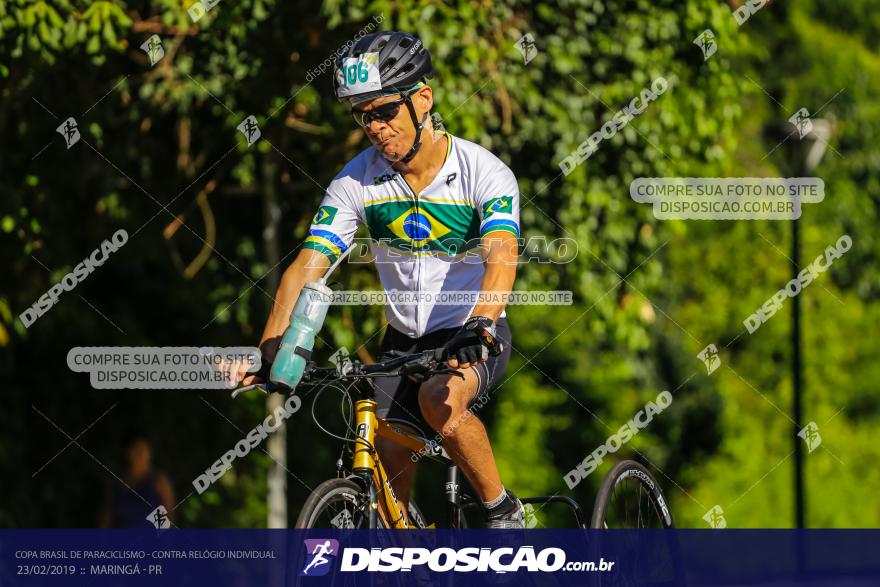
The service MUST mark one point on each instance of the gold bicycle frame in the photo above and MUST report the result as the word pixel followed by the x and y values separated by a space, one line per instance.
pixel 366 460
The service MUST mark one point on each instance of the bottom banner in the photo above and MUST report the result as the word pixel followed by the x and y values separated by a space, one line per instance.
pixel 426 557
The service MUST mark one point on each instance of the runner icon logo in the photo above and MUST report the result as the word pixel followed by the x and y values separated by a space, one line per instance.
pixel 321 552
pixel 706 42
pixel 159 518
pixel 802 122
pixel 710 358
pixel 715 518
pixel 810 434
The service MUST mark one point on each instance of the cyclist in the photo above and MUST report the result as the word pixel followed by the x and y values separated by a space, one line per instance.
pixel 443 216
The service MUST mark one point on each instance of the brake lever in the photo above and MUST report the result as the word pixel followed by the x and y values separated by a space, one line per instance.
pixel 241 390
pixel 265 387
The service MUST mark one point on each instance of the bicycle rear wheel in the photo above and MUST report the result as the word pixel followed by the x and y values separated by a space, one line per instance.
pixel 630 497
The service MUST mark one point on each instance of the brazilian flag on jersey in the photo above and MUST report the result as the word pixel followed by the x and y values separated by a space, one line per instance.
pixel 502 205
pixel 324 215
pixel 324 240
pixel 424 227
pixel 498 215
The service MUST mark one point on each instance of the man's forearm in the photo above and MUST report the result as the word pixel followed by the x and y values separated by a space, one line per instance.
pixel 501 263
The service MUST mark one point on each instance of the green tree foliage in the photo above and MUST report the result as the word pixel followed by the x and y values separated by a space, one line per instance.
pixel 159 145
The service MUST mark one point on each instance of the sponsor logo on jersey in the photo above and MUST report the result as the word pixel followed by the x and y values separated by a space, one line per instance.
pixel 380 179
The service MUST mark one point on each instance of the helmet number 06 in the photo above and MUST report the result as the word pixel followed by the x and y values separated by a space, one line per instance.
pixel 357 72
pixel 357 75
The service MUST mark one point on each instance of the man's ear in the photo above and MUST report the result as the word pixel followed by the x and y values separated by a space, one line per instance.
pixel 425 98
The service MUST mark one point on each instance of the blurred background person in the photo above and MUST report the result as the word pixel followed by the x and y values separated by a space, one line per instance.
pixel 133 503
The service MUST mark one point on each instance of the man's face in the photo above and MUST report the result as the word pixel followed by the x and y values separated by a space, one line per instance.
pixel 394 137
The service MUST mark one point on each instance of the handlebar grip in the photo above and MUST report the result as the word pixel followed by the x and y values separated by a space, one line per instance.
pixel 273 387
pixel 497 349
pixel 264 370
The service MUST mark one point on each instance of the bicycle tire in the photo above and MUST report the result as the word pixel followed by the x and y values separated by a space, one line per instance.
pixel 667 568
pixel 333 490
pixel 620 472
pixel 415 516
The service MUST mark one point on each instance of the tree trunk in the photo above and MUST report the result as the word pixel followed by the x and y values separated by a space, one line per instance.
pixel 277 443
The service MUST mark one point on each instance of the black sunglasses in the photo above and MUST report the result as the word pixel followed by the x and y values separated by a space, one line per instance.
pixel 385 112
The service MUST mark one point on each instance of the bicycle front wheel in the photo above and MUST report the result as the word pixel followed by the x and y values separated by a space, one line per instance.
pixel 630 497
pixel 335 503
pixel 340 503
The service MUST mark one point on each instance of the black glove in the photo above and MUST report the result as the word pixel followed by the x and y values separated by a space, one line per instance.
pixel 474 342
pixel 264 370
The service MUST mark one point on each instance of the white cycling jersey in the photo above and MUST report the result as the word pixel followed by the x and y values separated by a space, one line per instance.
pixel 423 243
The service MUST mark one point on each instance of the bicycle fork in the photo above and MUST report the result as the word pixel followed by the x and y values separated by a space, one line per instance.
pixel 367 466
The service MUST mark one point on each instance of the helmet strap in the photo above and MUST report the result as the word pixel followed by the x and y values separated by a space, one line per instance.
pixel 418 126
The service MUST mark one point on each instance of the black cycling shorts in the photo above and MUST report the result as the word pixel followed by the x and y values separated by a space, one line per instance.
pixel 397 398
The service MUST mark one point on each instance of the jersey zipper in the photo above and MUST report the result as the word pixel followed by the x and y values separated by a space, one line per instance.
pixel 415 201
pixel 419 257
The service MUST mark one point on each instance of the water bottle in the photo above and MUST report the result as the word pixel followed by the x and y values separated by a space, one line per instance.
pixel 299 338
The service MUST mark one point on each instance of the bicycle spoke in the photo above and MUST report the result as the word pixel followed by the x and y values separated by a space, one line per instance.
pixel 632 505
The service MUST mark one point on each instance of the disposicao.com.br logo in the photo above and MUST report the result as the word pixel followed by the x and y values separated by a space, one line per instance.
pixel 321 553
pixel 468 559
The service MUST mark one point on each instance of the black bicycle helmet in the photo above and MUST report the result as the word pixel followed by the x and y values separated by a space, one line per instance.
pixel 382 64
pixel 401 59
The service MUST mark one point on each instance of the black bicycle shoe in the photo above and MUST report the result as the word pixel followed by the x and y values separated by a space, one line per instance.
pixel 510 520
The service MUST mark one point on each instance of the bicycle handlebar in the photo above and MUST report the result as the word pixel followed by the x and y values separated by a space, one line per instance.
pixel 418 365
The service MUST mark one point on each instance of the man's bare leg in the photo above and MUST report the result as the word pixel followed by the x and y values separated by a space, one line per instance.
pixel 401 470
pixel 444 401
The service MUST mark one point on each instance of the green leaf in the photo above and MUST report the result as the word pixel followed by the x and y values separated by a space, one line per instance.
pixel 94 44
pixel 109 33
